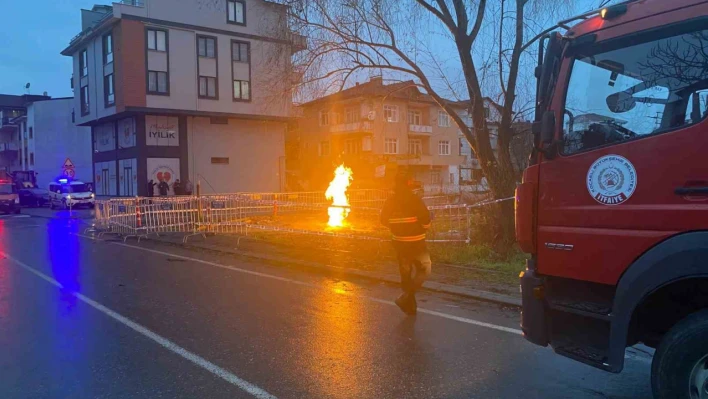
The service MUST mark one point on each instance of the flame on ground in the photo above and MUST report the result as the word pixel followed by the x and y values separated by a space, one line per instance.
pixel 337 192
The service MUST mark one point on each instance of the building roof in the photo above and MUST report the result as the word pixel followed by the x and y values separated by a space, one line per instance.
pixel 406 90
pixel 15 101
pixel 593 117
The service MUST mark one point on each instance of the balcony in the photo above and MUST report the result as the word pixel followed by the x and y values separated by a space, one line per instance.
pixel 420 129
pixel 354 127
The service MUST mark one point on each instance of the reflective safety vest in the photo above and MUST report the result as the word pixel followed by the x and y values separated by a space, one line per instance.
pixel 406 215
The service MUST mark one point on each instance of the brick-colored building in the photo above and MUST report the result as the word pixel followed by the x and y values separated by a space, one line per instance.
pixel 198 91
pixel 376 129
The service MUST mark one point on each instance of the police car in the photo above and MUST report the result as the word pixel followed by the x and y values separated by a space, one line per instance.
pixel 67 193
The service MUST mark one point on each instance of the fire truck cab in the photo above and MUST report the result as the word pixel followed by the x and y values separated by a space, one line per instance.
pixel 614 206
pixel 9 199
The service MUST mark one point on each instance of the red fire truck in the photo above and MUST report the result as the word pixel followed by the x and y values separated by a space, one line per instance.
pixel 614 207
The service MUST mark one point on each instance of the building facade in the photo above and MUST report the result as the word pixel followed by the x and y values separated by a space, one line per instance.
pixel 198 91
pixel 377 130
pixel 37 133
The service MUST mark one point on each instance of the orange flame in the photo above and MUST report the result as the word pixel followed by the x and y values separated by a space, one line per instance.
pixel 337 192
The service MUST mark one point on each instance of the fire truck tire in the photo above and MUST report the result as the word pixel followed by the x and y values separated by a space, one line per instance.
pixel 680 365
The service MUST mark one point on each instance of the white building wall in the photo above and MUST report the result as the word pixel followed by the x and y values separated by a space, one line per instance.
pixel 255 152
pixel 56 138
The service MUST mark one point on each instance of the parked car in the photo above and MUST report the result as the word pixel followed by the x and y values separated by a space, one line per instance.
pixel 33 197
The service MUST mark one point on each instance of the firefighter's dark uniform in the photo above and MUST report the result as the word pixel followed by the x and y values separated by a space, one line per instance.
pixel 406 215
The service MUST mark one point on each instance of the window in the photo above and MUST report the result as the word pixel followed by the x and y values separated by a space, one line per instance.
pixel 415 118
pixel 415 146
pixel 220 160
pixel 351 115
pixel 31 133
pixel 444 147
pixel 452 178
pixel 391 113
pixel 337 117
pixel 207 87
pixel 486 112
pixel 390 146
pixel 157 82
pixel 109 90
pixel 84 100
pixel 324 149
pixel 627 93
pixel 324 118
pixel 352 146
pixel 108 48
pixel 31 159
pixel 83 63
pixel 240 51
pixel 242 90
pixel 435 178
pixel 206 46
pixel 236 12
pixel 443 119
pixel 157 40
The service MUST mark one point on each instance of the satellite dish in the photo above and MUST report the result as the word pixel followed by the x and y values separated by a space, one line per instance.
pixel 372 115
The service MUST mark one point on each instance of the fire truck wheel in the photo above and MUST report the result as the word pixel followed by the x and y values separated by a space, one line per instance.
pixel 680 365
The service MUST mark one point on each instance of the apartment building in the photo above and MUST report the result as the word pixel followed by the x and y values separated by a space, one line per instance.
pixel 376 129
pixel 37 133
pixel 471 177
pixel 197 90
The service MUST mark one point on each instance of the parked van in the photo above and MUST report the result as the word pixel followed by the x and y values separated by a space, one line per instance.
pixel 67 193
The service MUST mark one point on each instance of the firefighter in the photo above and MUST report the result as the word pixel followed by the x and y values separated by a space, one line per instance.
pixel 405 214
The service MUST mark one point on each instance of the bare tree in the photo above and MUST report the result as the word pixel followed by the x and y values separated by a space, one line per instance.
pixel 348 38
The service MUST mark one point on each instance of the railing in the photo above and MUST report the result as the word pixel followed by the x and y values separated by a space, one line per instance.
pixel 351 127
pixel 420 129
pixel 298 213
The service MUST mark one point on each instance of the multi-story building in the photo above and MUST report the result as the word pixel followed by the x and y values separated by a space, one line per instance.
pixel 197 90
pixel 37 133
pixel 471 177
pixel 376 129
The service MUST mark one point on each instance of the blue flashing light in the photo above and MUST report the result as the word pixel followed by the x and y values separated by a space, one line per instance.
pixel 64 181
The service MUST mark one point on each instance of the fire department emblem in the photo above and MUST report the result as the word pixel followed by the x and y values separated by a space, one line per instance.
pixel 611 180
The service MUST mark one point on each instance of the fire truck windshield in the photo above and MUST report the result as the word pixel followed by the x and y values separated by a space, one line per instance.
pixel 626 92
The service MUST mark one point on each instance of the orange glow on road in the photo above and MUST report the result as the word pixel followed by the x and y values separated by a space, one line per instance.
pixel 337 192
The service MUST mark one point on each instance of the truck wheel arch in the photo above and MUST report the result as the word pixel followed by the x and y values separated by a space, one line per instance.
pixel 677 258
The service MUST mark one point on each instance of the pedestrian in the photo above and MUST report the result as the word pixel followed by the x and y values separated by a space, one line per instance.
pixel 408 218
pixel 151 188
pixel 177 187
pixel 188 187
pixel 163 188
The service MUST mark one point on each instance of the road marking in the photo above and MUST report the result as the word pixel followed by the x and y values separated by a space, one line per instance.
pixel 14 216
pixel 288 280
pixel 162 341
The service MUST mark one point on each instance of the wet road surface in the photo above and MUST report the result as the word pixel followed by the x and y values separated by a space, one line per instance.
pixel 83 318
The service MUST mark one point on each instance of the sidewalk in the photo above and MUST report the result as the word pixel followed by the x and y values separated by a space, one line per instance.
pixel 375 262
pixel 365 259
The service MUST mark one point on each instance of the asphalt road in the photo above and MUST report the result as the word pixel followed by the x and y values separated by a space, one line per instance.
pixel 81 318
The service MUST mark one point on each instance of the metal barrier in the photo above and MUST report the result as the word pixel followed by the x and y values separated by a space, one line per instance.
pixel 302 213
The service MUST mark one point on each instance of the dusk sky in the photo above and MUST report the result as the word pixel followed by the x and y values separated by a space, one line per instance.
pixel 33 35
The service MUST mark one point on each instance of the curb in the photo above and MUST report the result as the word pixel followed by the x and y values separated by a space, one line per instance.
pixel 431 286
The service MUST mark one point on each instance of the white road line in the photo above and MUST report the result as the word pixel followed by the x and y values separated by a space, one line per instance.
pixel 162 341
pixel 288 280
